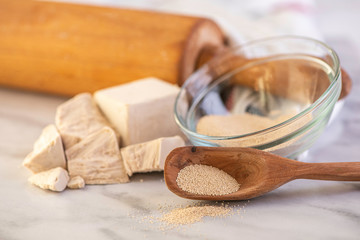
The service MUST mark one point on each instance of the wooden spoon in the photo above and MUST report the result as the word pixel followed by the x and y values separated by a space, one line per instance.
pixel 256 171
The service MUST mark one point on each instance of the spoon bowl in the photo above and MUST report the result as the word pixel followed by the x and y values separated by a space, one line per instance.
pixel 256 171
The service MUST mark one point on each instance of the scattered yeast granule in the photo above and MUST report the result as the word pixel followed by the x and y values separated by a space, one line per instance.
pixel 192 214
pixel 206 180
pixel 177 217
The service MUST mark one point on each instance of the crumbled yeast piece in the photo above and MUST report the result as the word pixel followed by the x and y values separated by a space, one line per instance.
pixel 48 151
pixel 97 159
pixel 54 179
pixel 77 118
pixel 76 183
pixel 141 110
pixel 149 156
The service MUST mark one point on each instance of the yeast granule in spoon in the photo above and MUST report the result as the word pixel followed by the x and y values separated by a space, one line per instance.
pixel 206 180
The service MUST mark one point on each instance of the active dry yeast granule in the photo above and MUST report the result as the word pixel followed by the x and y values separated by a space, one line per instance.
pixel 206 180
pixel 240 124
pixel 192 214
pixel 174 217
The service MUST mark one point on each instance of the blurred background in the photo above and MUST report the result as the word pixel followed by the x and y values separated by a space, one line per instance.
pixel 332 21
pixel 246 20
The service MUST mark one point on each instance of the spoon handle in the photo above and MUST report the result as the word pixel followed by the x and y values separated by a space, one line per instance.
pixel 337 171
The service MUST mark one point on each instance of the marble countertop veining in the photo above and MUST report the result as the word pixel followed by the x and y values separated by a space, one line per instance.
pixel 301 209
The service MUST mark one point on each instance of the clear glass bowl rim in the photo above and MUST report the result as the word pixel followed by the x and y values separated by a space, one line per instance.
pixel 310 108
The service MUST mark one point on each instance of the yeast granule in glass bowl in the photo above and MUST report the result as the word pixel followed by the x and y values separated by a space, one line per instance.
pixel 275 94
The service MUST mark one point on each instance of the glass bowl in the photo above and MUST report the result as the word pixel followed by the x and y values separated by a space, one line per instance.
pixel 274 94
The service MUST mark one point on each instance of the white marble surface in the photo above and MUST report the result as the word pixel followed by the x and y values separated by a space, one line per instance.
pixel 302 209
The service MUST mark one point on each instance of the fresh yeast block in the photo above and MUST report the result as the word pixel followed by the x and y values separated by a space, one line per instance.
pixel 48 151
pixel 140 111
pixel 97 159
pixel 149 156
pixel 54 179
pixel 77 118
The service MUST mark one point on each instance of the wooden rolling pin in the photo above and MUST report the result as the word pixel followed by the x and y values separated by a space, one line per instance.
pixel 67 49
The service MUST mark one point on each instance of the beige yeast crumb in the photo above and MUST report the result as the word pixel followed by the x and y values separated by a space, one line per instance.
pixel 77 118
pixel 149 156
pixel 97 159
pixel 54 179
pixel 76 183
pixel 48 151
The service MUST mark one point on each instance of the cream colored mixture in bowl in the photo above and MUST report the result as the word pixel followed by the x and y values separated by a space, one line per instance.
pixel 275 94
